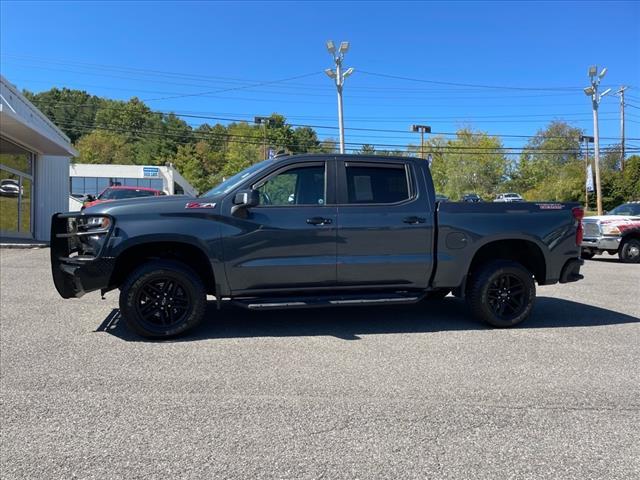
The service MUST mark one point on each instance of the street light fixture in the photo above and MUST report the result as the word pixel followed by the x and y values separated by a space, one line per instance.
pixel 331 47
pixel 339 76
pixel 422 129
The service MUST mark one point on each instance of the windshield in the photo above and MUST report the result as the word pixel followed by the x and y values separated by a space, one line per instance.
pixel 232 182
pixel 119 194
pixel 631 209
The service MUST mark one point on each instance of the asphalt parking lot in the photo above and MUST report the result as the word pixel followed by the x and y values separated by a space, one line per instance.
pixel 398 392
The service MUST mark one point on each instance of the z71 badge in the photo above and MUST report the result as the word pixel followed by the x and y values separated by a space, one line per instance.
pixel 200 205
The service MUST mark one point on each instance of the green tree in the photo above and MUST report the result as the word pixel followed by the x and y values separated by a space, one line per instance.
pixel 551 166
pixel 199 164
pixel 367 149
pixel 244 149
pixel 100 146
pixel 305 140
pixel 73 111
pixel 470 162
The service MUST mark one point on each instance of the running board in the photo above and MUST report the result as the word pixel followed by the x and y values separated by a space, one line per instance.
pixel 326 301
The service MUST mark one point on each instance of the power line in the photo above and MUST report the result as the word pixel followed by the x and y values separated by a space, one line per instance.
pixel 472 85
pixel 326 127
pixel 199 77
pixel 255 140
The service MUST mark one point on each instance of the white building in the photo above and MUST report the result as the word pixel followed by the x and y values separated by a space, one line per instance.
pixel 34 167
pixel 91 179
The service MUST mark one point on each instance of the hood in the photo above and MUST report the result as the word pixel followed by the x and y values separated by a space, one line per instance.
pixel 611 218
pixel 150 205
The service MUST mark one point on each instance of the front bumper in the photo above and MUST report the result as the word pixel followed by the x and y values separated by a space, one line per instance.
pixel 75 267
pixel 601 243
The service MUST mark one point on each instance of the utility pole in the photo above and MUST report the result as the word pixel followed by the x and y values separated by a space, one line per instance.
pixel 586 139
pixel 620 93
pixel 596 98
pixel 265 121
pixel 422 129
pixel 339 76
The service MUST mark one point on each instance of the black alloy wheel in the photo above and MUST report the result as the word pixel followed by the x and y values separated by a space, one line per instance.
pixel 163 302
pixel 506 296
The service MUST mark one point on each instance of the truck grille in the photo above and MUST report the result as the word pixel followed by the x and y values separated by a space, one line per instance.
pixel 591 229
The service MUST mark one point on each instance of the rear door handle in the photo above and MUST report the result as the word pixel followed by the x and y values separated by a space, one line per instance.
pixel 413 220
pixel 318 221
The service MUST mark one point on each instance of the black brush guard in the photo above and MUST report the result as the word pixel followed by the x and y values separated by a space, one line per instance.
pixel 78 268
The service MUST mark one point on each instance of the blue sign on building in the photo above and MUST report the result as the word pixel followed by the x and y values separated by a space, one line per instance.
pixel 150 172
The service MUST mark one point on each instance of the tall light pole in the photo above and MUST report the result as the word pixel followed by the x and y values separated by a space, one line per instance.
pixel 620 93
pixel 422 129
pixel 586 139
pixel 264 121
pixel 592 92
pixel 338 75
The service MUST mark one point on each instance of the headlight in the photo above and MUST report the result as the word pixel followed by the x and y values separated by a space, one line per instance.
pixel 98 222
pixel 610 230
pixel 92 233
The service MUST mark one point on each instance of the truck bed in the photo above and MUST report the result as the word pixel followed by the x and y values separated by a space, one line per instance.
pixel 547 231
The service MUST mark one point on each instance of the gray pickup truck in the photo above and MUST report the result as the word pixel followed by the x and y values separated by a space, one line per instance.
pixel 314 230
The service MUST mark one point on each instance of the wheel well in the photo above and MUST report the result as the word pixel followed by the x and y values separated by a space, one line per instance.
pixel 635 234
pixel 522 251
pixel 190 255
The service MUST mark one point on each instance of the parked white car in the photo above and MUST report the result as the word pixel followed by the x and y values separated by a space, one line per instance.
pixel 508 197
pixel 10 188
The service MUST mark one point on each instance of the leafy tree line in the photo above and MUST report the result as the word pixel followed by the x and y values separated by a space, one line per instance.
pixel 551 166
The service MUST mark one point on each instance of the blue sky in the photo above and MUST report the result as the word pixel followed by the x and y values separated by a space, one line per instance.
pixel 155 50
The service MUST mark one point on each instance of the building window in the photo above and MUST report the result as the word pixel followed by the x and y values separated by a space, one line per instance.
pixel 16 189
pixel 81 186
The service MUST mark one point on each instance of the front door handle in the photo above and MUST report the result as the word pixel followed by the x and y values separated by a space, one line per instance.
pixel 414 220
pixel 319 221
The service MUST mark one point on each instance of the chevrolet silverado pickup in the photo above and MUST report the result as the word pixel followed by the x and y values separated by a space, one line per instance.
pixel 314 231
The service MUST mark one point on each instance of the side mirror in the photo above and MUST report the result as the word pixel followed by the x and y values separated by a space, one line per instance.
pixel 244 200
pixel 90 198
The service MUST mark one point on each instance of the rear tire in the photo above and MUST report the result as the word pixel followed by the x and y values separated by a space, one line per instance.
pixel 502 293
pixel 162 299
pixel 630 251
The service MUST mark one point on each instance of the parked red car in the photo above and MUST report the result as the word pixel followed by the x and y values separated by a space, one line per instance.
pixel 110 194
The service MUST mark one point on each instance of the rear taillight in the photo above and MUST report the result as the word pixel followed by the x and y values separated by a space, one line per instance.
pixel 578 214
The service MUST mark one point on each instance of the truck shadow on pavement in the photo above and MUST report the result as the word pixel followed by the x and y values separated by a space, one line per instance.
pixel 348 323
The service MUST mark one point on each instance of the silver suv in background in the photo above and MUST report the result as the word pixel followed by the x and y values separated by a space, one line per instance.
pixel 508 197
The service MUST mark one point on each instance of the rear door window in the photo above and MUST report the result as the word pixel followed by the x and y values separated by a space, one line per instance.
pixel 375 183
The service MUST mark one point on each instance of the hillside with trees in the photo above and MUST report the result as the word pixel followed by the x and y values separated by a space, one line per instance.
pixel 551 166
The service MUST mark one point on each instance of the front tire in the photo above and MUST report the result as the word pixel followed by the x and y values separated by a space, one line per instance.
pixel 162 299
pixel 502 293
pixel 630 251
